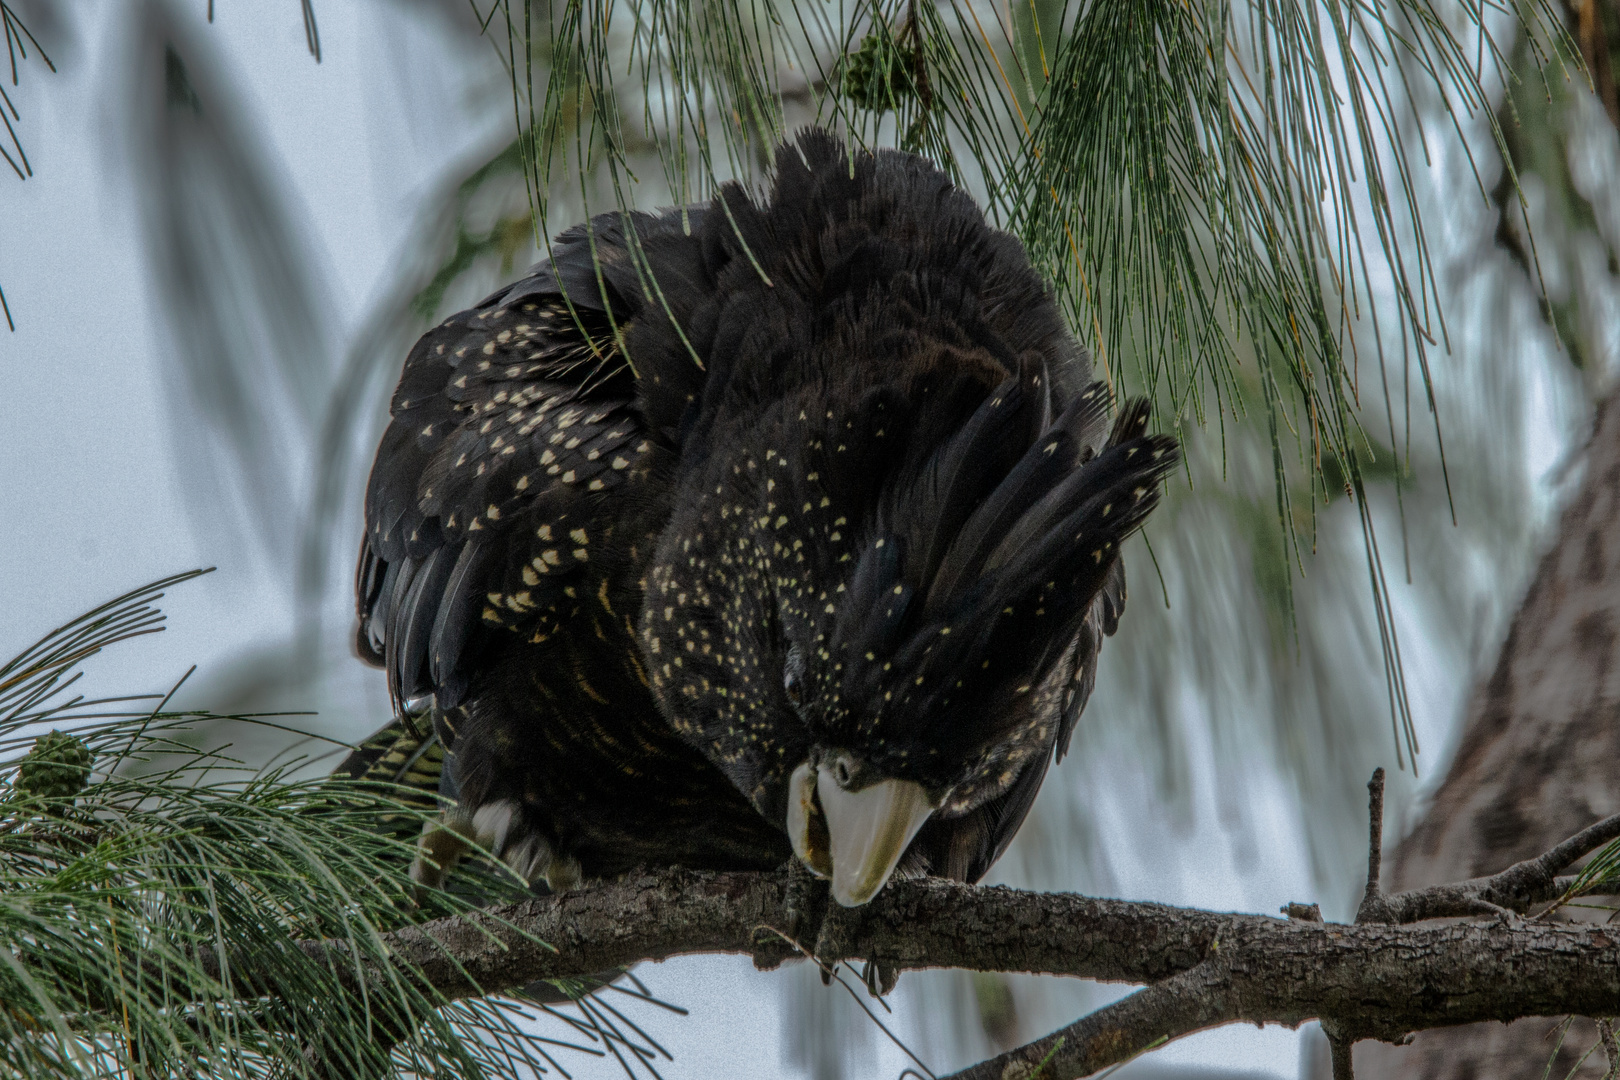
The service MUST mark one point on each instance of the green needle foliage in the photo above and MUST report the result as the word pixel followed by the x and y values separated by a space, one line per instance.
pixel 1212 187
pixel 153 897
pixel 18 41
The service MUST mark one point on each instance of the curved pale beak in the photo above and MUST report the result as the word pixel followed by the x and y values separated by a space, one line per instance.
pixel 854 837
pixel 805 825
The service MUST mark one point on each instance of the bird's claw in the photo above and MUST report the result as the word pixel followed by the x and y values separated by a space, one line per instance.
pixel 805 901
pixel 880 978
pixel 839 930
pixel 840 938
pixel 810 916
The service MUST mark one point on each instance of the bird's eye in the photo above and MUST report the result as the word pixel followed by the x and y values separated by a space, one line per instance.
pixel 793 676
pixel 840 771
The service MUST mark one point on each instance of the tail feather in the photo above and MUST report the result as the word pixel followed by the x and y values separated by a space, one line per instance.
pixel 1045 464
pixel 1071 440
pixel 400 755
pixel 1086 419
pixel 955 482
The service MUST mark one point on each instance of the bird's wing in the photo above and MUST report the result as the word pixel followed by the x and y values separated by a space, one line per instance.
pixel 510 423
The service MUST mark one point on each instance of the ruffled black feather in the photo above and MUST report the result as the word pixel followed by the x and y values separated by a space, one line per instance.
pixel 844 423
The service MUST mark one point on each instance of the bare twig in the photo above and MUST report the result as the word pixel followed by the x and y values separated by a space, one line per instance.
pixel 1375 828
pixel 1516 889
pixel 1374 908
pixel 1342 1050
pixel 1115 1033
pixel 1303 912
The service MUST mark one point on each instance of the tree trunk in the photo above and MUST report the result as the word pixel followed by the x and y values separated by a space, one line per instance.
pixel 1539 758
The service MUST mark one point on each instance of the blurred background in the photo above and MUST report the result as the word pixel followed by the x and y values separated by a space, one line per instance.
pixel 230 220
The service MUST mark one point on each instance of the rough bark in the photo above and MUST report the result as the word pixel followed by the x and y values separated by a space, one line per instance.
pixel 1374 978
pixel 1382 977
pixel 1539 755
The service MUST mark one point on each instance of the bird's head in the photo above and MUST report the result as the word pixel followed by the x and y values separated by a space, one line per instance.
pixel 860 611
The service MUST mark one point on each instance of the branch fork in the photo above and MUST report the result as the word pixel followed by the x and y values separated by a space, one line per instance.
pixel 1397 970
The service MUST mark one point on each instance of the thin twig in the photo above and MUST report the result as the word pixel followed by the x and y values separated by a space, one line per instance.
pixel 1516 889
pixel 1373 906
pixel 1115 1033
pixel 1342 1051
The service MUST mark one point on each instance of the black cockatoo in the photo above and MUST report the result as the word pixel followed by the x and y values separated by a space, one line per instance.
pixel 750 530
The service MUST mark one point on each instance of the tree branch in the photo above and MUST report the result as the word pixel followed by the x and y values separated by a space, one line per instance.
pixel 1518 888
pixel 1375 979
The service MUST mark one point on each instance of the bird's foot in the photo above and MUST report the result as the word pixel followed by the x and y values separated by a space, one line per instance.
pixel 835 931
pixel 840 937
pixel 441 848
pixel 840 930
pixel 805 900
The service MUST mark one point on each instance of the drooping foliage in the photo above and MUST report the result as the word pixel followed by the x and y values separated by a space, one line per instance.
pixel 153 898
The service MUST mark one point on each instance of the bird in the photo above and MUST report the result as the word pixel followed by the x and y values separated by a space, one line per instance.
pixel 781 527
